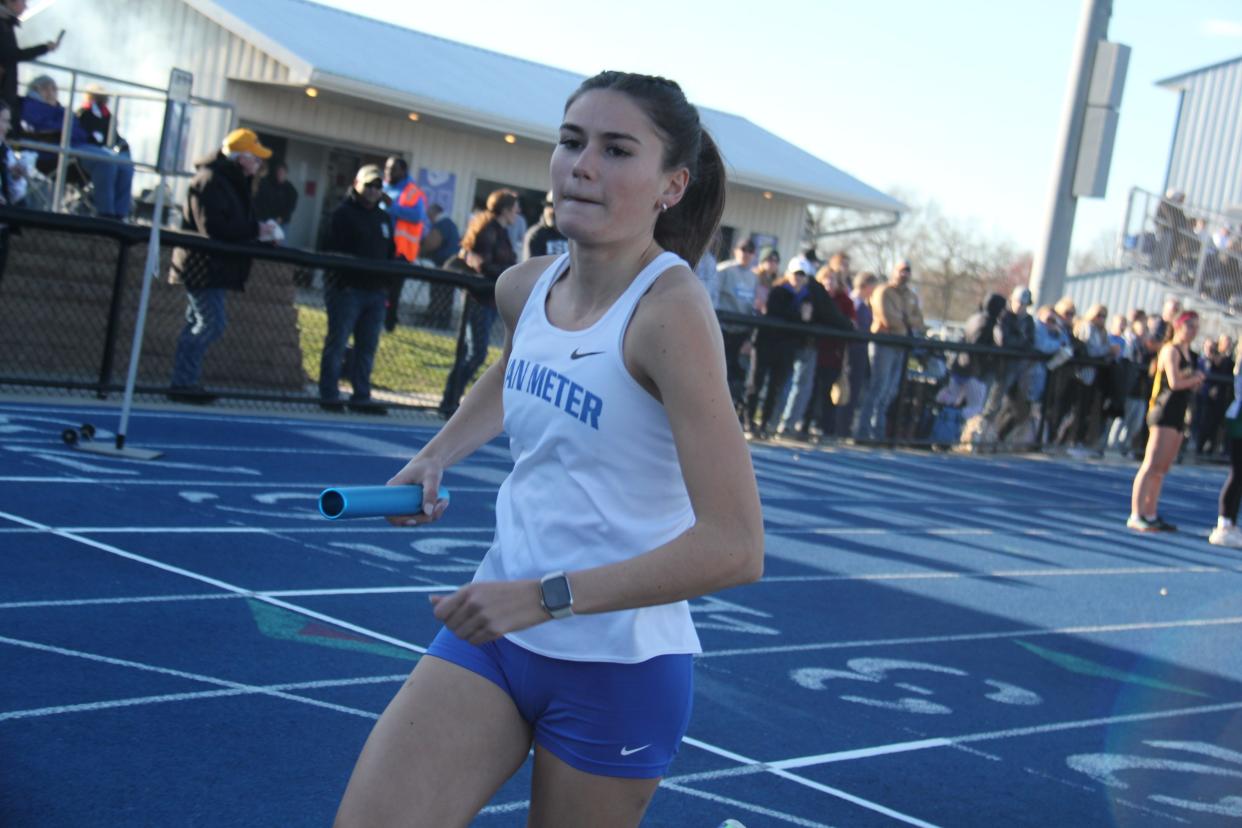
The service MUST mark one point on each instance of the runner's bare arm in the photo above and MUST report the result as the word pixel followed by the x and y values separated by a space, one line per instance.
pixel 481 415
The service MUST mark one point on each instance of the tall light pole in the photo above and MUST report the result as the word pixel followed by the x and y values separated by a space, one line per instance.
pixel 1052 256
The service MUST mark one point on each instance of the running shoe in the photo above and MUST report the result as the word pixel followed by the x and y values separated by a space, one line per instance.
pixel 1163 525
pixel 1142 524
pixel 1231 536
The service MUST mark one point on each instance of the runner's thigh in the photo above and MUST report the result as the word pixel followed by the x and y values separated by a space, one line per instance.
pixel 565 797
pixel 447 741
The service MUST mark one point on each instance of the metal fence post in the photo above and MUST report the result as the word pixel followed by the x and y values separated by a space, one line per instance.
pixel 62 160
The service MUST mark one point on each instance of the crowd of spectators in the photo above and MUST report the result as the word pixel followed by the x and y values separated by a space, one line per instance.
pixel 1195 248
pixel 1075 382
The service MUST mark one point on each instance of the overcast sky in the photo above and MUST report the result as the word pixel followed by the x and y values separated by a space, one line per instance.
pixel 957 100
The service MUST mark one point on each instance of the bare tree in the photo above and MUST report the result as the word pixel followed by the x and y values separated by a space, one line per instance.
pixel 1100 254
pixel 954 265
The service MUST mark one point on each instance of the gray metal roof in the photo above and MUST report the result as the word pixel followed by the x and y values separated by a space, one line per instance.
pixel 359 56
pixel 1176 81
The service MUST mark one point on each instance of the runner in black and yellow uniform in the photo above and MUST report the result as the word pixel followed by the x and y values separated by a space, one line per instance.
pixel 1175 380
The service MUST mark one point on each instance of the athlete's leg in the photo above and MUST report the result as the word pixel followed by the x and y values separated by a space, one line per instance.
pixel 1168 444
pixel 565 797
pixel 1138 492
pixel 446 743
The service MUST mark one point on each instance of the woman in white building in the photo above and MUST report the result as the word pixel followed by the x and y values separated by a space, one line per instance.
pixel 632 491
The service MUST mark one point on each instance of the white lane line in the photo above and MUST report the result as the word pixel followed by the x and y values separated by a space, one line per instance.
pixel 780 816
pixel 215 582
pixel 352 529
pixel 1033 632
pixel 181 417
pixel 1005 573
pixel 359 444
pixel 167 671
pixel 995 735
pixel 809 783
pixel 524 804
pixel 298 593
pixel 219 484
pixel 136 599
pixel 140 701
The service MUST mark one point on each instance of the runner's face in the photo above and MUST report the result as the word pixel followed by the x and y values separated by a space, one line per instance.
pixel 607 170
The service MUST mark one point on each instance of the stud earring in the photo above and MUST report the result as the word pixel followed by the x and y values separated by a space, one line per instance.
pixel 663 207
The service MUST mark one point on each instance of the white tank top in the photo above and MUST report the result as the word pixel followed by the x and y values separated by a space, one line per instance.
pixel 595 476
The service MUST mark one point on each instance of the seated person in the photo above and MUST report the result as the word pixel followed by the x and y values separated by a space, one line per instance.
pixel 43 115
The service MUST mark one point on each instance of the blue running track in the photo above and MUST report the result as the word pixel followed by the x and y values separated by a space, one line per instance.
pixel 938 640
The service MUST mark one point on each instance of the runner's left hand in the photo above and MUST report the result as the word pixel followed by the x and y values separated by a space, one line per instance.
pixel 484 611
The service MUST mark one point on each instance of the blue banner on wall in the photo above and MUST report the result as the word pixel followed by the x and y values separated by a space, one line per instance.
pixel 439 188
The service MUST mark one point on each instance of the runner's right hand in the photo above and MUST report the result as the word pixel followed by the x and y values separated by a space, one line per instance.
pixel 425 473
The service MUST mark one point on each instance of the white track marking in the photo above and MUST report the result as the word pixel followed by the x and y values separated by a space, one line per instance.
pixel 743 806
pixel 997 735
pixel 218 484
pixel 66 457
pixel 297 593
pixel 139 701
pixel 1033 632
pixel 224 585
pixel 785 774
pixel 383 553
pixel 137 599
pixel 1005 573
pixel 359 444
pixel 351 529
pixel 151 668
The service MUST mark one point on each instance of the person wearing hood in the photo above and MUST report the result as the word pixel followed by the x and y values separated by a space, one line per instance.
pixel 1015 330
pixel 218 206
pixel 974 371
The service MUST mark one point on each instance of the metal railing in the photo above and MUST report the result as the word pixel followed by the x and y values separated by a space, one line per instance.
pixel 69 302
pixel 1180 245
pixel 118 95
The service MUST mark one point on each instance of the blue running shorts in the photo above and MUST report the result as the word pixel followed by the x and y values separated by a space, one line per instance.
pixel 599 717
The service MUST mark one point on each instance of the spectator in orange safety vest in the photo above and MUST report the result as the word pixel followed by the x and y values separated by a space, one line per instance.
pixel 407 207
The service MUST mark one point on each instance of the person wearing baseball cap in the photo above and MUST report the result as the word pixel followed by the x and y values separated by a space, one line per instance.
pixel 245 141
pixel 218 206
pixel 356 299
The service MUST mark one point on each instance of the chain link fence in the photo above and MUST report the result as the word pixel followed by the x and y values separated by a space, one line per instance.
pixel 69 297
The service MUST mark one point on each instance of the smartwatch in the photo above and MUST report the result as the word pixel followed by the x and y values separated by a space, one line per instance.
pixel 555 595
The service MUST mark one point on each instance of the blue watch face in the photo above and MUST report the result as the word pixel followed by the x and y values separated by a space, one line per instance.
pixel 556 593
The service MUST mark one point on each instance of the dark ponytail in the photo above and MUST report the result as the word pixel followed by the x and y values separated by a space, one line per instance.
pixel 687 227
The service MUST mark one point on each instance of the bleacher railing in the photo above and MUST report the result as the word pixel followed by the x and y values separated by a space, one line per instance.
pixel 123 95
pixel 1181 245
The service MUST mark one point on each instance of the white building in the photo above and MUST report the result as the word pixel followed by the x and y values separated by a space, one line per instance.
pixel 330 90
pixel 1205 161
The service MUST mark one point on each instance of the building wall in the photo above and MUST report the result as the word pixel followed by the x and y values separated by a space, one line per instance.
pixel 1122 291
pixel 1206 160
pixel 104 36
pixel 173 34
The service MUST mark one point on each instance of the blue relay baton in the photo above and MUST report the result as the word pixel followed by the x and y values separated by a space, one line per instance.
pixel 373 501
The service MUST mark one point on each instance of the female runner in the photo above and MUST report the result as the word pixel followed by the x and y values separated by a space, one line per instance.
pixel 632 491
pixel 1176 379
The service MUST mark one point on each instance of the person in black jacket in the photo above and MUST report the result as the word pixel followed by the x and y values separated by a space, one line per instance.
pixel 11 54
pixel 356 300
pixel 487 251
pixel 788 301
pixel 277 197
pixel 217 206
pixel 1008 403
